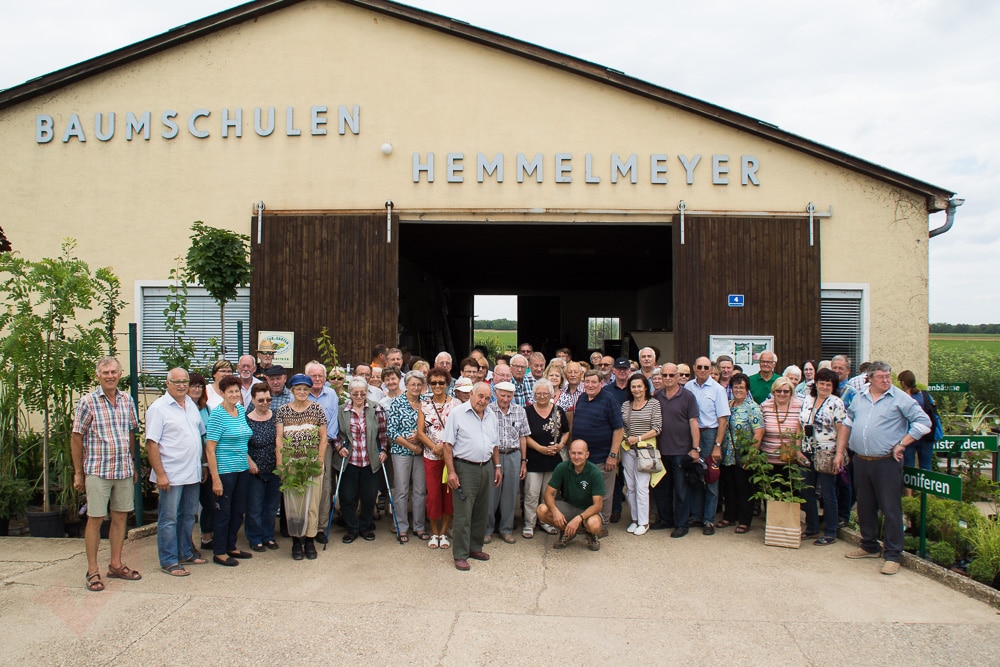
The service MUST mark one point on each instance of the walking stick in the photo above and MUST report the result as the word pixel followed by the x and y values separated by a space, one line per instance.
pixel 392 505
pixel 333 503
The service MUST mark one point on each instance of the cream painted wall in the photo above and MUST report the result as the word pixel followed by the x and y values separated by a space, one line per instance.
pixel 131 204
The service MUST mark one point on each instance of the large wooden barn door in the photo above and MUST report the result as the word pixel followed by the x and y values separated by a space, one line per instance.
pixel 770 262
pixel 337 271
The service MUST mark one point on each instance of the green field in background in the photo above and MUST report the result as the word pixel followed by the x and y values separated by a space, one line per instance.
pixel 988 342
pixel 508 339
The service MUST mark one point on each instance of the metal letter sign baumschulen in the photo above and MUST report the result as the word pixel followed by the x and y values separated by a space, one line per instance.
pixel 946 486
pixel 957 444
pixel 735 300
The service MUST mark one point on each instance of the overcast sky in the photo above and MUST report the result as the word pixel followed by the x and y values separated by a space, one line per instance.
pixel 912 85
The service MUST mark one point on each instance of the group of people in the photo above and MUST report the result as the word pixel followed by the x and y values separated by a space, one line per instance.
pixel 465 453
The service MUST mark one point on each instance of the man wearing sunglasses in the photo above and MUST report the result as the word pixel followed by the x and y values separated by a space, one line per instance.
pixel 713 416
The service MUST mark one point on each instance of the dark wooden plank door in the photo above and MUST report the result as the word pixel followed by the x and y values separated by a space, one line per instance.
pixel 770 262
pixel 337 271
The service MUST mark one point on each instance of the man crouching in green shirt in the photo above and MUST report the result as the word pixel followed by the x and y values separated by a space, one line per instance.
pixel 582 488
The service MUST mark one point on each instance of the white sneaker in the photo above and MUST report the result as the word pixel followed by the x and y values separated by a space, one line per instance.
pixel 631 527
pixel 641 530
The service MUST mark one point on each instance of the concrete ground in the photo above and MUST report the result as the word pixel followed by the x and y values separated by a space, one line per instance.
pixel 725 599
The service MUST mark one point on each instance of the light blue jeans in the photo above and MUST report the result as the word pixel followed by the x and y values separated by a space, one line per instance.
pixel 178 507
pixel 705 500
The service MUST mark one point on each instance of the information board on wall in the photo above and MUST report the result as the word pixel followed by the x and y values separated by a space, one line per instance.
pixel 284 345
pixel 745 350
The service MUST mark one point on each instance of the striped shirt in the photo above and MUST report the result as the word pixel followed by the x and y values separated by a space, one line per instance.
pixel 513 425
pixel 105 429
pixel 231 435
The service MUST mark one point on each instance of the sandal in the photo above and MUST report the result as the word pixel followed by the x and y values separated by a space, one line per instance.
pixel 404 538
pixel 123 572
pixel 423 536
pixel 445 544
pixel 742 529
pixel 175 570
pixel 433 543
pixel 723 524
pixel 94 582
pixel 194 560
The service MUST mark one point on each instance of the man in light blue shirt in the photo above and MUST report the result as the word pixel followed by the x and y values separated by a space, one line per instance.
pixel 881 422
pixel 713 416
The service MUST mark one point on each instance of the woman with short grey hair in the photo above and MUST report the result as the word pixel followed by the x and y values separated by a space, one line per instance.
pixel 402 422
pixel 549 432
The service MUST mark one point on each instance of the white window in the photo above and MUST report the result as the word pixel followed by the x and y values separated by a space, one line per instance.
pixel 842 324
pixel 203 324
pixel 600 329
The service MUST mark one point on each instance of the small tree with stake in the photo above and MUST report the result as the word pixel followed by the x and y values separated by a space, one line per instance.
pixel 220 260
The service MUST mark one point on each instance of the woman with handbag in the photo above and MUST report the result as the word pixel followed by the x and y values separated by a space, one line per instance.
pixel 822 418
pixel 735 487
pixel 548 438
pixel 642 421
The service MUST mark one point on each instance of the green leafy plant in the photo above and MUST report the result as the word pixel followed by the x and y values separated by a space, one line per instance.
pixel 942 553
pixel 947 521
pixel 985 540
pixel 297 473
pixel 220 260
pixel 784 486
pixel 14 496
pixel 180 353
pixel 328 355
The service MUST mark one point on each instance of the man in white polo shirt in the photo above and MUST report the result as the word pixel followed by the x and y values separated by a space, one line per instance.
pixel 174 433
pixel 471 452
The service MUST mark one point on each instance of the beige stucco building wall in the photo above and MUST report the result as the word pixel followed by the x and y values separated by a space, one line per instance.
pixel 130 204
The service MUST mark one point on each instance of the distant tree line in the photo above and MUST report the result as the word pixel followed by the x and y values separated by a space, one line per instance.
pixel 944 327
pixel 501 324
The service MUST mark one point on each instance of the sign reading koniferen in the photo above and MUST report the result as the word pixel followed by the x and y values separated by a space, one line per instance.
pixel 946 486
pixel 966 443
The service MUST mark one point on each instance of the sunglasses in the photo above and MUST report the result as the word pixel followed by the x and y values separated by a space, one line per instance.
pixel 684 375
pixel 782 391
pixel 702 368
pixel 438 383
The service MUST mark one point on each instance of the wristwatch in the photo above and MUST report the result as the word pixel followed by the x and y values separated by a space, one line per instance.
pixel 612 455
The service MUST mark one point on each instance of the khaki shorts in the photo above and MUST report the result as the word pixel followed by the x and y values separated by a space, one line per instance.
pixel 100 490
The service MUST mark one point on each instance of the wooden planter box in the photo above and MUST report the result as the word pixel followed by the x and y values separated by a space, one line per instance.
pixel 783 527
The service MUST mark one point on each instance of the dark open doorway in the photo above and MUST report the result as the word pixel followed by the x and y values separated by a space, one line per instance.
pixel 562 274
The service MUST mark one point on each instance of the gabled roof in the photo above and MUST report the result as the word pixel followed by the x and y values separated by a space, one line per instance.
pixel 936 196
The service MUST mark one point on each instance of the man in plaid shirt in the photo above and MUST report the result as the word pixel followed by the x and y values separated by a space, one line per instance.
pixel 524 383
pixel 103 444
pixel 513 428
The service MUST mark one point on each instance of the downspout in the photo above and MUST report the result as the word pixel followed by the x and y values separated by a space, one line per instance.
pixel 949 220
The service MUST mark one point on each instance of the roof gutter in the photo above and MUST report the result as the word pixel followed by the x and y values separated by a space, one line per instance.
pixel 949 220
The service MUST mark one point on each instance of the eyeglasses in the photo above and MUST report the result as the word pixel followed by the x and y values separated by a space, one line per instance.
pixel 702 368
pixel 781 391
pixel 524 351
pixel 179 383
pixel 521 366
pixel 318 377
pixel 685 375
pixel 264 400
pixel 768 361
pixel 669 375
pixel 359 394
pixel 604 365
pixel 437 383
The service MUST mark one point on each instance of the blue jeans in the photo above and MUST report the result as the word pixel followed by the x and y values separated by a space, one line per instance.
pixel 924 449
pixel 828 487
pixel 229 510
pixel 705 500
pixel 263 498
pixel 178 507
pixel 671 494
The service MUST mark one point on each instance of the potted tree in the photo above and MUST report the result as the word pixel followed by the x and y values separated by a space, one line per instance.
pixel 778 489
pixel 49 356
